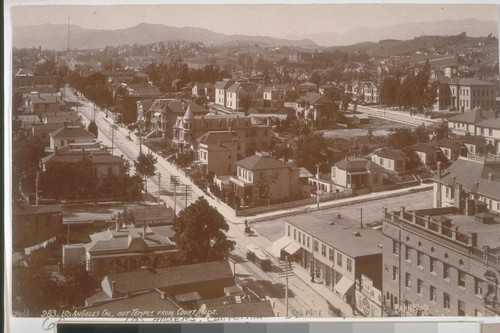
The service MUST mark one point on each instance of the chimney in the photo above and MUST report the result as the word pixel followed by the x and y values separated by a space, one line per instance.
pixel 490 176
pixel 83 152
pixel 219 143
pixel 117 225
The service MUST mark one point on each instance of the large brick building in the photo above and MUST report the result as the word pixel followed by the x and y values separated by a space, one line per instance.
pixel 440 263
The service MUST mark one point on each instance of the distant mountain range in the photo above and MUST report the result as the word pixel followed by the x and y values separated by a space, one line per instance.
pixel 50 36
pixel 473 28
pixel 55 37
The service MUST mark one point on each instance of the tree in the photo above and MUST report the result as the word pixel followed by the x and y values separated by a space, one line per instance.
pixel 78 285
pixel 309 150
pixel 199 234
pixel 92 128
pixel 264 186
pixel 442 132
pixel 145 166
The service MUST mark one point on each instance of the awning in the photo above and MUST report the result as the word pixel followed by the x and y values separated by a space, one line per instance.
pixel 355 173
pixel 189 297
pixel 292 248
pixel 278 245
pixel 344 285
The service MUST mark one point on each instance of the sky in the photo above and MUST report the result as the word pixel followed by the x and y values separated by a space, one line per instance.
pixel 277 20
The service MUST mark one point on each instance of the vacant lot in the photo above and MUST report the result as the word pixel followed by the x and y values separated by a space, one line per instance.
pixel 379 126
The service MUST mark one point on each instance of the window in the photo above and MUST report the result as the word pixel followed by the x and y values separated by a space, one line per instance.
pixel 331 254
pixel 432 293
pixel 407 252
pixel 349 265
pixel 477 287
pixel 407 280
pixel 432 265
pixel 395 248
pixel 300 236
pixel 446 271
pixel 420 284
pixel 395 272
pixel 315 244
pixel 289 231
pixel 323 250
pixel 461 308
pixel 339 259
pixel 307 241
pixel 420 259
pixel 294 234
pixel 461 279
pixel 446 301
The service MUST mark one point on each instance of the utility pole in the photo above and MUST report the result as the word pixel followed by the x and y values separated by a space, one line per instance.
pixel 159 183
pixel 36 187
pixel 317 185
pixel 288 271
pixel 361 219
pixel 112 138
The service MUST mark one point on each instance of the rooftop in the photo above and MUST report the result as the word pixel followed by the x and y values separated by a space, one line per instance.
pixel 473 116
pixel 257 162
pixel 21 208
pixel 145 279
pixel 71 132
pixel 340 234
pixel 355 164
pixel 391 154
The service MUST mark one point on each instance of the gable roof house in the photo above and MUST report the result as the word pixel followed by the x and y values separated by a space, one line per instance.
pixel 391 159
pixel 263 178
pixel 67 135
pixel 357 173
pixel 220 91
pixel 165 111
pixel 317 106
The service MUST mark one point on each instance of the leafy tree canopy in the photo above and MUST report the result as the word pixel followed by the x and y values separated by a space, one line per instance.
pixel 199 234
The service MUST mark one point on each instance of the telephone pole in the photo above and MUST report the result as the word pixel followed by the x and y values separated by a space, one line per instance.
pixel 286 271
pixel 317 185
pixel 159 187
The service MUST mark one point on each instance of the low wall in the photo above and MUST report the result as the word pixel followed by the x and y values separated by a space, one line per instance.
pixel 292 204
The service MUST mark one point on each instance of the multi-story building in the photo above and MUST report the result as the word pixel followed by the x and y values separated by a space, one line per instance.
pixel 469 179
pixel 261 177
pixel 34 226
pixel 126 101
pixel 103 162
pixel 165 111
pixel 218 152
pixel 468 93
pixel 440 263
pixel 336 252
pixel 239 91
pixel 220 91
pixel 490 129
pixel 253 134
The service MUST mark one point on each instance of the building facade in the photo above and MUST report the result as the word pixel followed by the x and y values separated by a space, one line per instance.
pixel 438 263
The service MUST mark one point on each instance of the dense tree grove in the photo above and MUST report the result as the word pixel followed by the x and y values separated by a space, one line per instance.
pixel 404 137
pixel 199 234
pixel 77 181
pixel 93 87
pixel 410 92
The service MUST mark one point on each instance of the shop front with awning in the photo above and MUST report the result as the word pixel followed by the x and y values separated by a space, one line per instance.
pixel 345 288
pixel 285 247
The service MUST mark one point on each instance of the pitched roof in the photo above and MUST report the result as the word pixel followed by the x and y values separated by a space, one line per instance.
pixel 473 116
pixel 128 238
pixel 100 157
pixel 224 84
pixel 257 162
pixel 152 212
pixel 391 154
pixel 448 143
pixel 473 176
pixel 473 139
pixel 490 123
pixel 314 98
pixel 353 164
pixel 218 136
pixel 71 132
pixel 470 82
pixel 244 87
pixel 176 106
pixel 162 278
pixel 424 147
